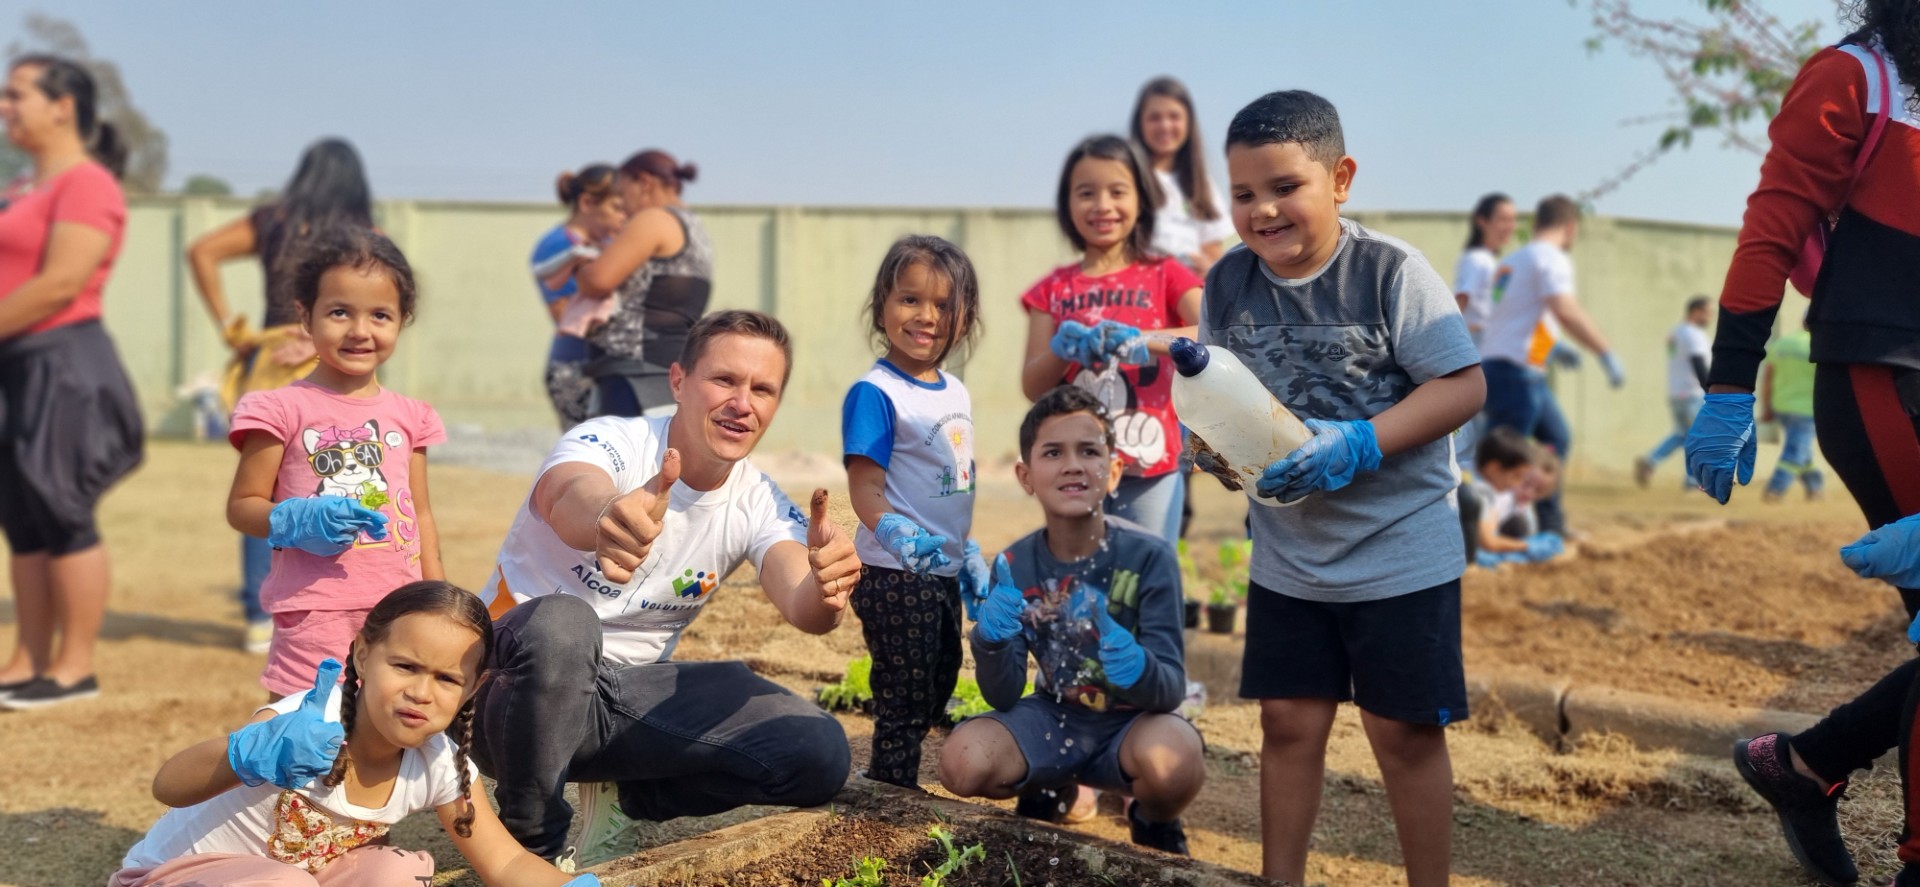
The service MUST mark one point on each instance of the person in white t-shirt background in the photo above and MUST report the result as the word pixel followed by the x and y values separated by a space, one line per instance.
pixel 1533 287
pixel 1688 352
pixel 1492 227
pixel 1192 225
pixel 630 527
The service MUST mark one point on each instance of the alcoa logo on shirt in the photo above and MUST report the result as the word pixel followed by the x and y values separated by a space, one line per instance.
pixel 695 585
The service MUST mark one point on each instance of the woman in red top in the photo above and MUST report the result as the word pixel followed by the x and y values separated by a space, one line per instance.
pixel 1845 146
pixel 69 424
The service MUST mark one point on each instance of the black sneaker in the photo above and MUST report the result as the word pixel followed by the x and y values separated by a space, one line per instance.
pixel 42 692
pixel 1808 816
pixel 1168 837
pixel 1045 804
pixel 12 687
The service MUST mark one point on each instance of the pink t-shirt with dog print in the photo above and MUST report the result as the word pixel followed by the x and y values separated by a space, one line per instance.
pixel 342 446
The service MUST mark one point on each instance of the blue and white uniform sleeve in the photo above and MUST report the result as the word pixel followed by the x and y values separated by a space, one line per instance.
pixel 866 424
pixel 608 443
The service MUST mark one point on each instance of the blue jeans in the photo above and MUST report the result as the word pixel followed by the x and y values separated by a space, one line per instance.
pixel 1684 409
pixel 1152 502
pixel 1518 398
pixel 256 558
pixel 680 738
pixel 1796 456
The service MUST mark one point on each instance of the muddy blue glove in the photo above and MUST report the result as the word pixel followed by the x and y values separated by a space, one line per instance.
pixel 322 525
pixel 1075 342
pixel 1119 343
pixel 1616 374
pixel 999 618
pixel 292 749
pixel 1121 655
pixel 917 550
pixel 583 881
pixel 1338 451
pixel 1720 445
pixel 1564 356
pixel 1542 546
pixel 1891 553
pixel 974 579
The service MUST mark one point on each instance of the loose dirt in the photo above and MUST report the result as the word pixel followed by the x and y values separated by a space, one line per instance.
pixel 1757 611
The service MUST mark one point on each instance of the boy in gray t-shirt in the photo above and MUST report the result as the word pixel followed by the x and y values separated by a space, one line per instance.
pixel 1356 586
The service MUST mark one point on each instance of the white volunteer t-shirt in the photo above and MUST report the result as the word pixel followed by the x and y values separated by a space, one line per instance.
pixel 1517 329
pixel 705 536
pixel 1685 343
pixel 1473 275
pixel 309 826
pixel 1175 230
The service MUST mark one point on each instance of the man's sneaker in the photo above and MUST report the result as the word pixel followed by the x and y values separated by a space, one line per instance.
pixel 1642 471
pixel 259 636
pixel 1808 816
pixel 605 832
pixel 1168 837
pixel 1044 804
pixel 42 692
pixel 12 687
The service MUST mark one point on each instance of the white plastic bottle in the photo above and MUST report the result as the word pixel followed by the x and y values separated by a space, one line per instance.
pixel 1238 427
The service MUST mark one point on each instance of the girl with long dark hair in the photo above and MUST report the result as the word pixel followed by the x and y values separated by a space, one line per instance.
pixel 69 424
pixel 1191 223
pixel 328 190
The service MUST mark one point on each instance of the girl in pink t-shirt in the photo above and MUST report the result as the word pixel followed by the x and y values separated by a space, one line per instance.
pixel 1084 323
pixel 333 468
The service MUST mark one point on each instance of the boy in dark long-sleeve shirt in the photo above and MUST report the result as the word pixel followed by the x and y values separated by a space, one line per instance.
pixel 1096 602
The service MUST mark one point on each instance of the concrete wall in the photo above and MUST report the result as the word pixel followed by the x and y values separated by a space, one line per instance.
pixel 477 349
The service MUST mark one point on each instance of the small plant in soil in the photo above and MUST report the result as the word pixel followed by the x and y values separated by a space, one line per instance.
pixel 866 873
pixel 957 858
pixel 853 692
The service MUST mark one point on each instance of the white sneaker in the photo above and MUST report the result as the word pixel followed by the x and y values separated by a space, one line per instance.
pixel 259 636
pixel 606 833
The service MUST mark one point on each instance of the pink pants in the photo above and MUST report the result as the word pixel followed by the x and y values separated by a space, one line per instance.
pixel 301 639
pixel 371 866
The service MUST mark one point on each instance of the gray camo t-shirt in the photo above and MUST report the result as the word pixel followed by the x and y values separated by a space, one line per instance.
pixel 1347 343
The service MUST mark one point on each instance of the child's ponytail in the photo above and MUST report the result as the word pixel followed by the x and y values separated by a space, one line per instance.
pixel 461 732
pixel 349 706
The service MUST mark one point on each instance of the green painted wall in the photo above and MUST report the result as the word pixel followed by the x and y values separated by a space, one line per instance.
pixel 477 349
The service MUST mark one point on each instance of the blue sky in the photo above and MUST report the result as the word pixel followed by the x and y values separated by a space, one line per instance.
pixel 896 103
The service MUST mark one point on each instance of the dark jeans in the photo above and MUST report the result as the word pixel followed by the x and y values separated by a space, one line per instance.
pixel 680 738
pixel 256 558
pixel 1519 398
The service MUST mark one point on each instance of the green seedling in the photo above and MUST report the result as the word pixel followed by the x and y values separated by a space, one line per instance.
pixel 957 858
pixel 371 496
pixel 866 873
pixel 853 692
pixel 1013 869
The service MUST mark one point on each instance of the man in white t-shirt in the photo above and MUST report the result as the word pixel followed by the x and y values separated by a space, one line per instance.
pixel 1532 290
pixel 1688 351
pixel 630 528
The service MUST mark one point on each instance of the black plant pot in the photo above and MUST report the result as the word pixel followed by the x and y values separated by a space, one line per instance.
pixel 1220 618
pixel 1193 614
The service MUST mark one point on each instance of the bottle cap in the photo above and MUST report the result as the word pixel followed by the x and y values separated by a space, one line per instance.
pixel 1189 357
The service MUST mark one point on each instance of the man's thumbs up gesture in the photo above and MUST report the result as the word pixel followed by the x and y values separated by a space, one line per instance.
pixel 835 565
pixel 629 525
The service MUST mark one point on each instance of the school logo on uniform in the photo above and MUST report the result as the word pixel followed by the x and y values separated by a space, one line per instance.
pixel 695 585
pixel 794 515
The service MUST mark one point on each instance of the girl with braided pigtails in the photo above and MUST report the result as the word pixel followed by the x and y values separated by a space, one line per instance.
pixel 305 792
pixel 1843 171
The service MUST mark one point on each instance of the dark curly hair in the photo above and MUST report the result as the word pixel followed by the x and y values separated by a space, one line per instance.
pixel 362 249
pixel 1897 24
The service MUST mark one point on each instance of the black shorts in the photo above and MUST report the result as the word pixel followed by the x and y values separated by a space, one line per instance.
pixel 1398 657
pixel 69 428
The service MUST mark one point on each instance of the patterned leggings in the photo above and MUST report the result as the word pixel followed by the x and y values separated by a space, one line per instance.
pixel 912 627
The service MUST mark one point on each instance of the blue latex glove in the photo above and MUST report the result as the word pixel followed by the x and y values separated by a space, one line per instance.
pixel 583 881
pixel 999 618
pixel 1337 451
pixel 1720 445
pixel 1121 655
pixel 974 579
pixel 322 525
pixel 1616 373
pixel 292 749
pixel 1119 343
pixel 1891 553
pixel 1542 546
pixel 918 550
pixel 1075 342
pixel 1564 356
